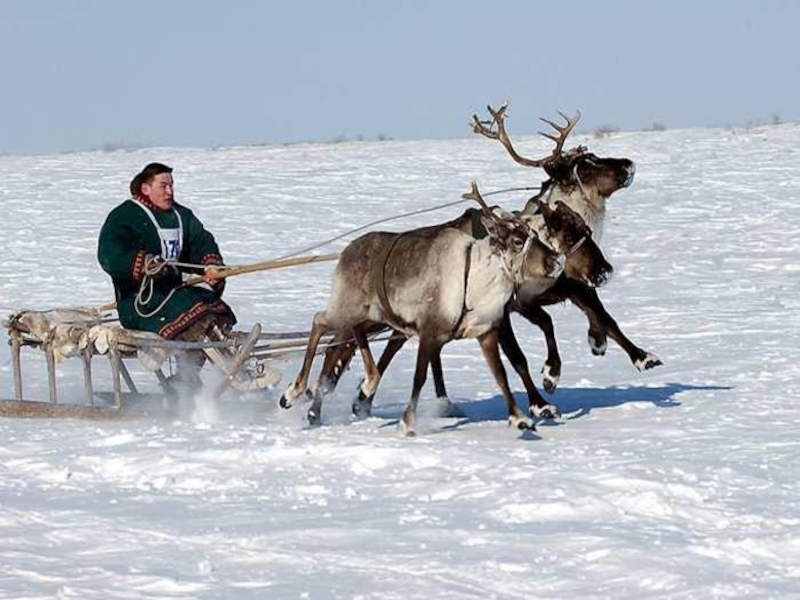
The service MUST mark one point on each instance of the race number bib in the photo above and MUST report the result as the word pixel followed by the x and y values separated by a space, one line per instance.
pixel 170 243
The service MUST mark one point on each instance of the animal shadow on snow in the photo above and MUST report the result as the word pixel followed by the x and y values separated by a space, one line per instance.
pixel 579 402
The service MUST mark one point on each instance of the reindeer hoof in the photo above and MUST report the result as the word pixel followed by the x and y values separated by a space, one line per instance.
pixel 362 406
pixel 548 411
pixel 598 344
pixel 521 423
pixel 648 361
pixel 314 418
pixel 447 409
pixel 550 378
pixel 408 424
pixel 406 430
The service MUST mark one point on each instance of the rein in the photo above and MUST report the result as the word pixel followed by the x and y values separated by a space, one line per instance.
pixel 403 216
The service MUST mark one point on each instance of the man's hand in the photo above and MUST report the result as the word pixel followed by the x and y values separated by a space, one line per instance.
pixel 155 266
pixel 211 275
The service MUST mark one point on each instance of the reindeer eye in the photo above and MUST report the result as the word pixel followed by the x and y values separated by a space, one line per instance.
pixel 517 243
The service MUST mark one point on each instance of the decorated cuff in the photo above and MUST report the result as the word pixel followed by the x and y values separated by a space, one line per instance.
pixel 137 266
pixel 211 259
pixel 214 259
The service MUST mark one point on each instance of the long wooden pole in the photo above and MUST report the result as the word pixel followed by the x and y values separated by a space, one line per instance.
pixel 266 265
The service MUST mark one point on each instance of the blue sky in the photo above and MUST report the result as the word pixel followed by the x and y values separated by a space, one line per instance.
pixel 81 74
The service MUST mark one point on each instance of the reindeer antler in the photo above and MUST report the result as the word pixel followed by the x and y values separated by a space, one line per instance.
pixel 499 118
pixel 476 195
pixel 486 129
pixel 563 131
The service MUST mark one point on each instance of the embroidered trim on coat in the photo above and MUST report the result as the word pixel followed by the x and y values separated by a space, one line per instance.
pixel 137 267
pixel 186 319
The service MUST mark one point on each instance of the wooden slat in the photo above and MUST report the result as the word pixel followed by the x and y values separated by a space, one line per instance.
pixel 236 364
pixel 16 366
pixel 114 358
pixel 51 372
pixel 87 374
pixel 127 377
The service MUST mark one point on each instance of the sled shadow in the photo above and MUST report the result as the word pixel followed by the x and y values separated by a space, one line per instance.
pixel 575 403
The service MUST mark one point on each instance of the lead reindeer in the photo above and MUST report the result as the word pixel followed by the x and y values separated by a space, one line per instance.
pixel 584 182
pixel 436 283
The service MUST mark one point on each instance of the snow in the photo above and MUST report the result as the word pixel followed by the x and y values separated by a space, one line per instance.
pixel 681 482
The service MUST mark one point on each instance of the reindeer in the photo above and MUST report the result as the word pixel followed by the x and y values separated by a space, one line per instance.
pixel 436 283
pixel 560 228
pixel 584 182
pixel 573 200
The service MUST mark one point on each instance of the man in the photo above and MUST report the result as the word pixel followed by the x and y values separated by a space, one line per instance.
pixel 136 241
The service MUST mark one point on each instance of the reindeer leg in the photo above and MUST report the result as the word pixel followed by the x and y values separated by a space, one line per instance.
pixel 491 352
pixel 445 406
pixel 362 405
pixel 371 375
pixel 537 406
pixel 551 370
pixel 586 298
pixel 337 359
pixel 408 423
pixel 299 385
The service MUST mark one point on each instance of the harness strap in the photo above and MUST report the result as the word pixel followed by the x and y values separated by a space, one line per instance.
pixel 478 230
pixel 575 246
pixel 379 280
pixel 464 309
pixel 580 183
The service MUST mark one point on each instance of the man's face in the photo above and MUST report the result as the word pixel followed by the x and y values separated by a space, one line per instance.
pixel 159 191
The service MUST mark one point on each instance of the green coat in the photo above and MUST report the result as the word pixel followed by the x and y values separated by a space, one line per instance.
pixel 127 237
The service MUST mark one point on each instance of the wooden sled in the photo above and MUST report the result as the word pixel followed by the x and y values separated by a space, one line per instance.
pixel 63 334
pixel 85 334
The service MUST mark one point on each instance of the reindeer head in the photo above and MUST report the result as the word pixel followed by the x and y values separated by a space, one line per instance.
pixel 595 177
pixel 569 235
pixel 524 255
